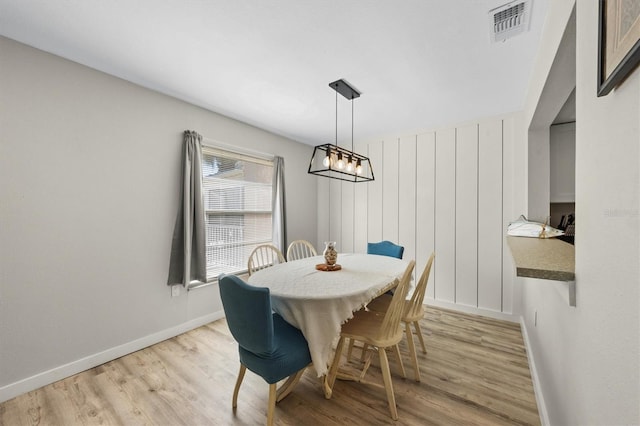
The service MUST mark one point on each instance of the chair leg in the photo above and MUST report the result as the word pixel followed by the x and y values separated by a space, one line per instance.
pixel 288 386
pixel 272 404
pixel 367 364
pixel 352 345
pixel 396 349
pixel 350 350
pixel 243 369
pixel 419 333
pixel 333 371
pixel 412 351
pixel 388 385
pixel 365 348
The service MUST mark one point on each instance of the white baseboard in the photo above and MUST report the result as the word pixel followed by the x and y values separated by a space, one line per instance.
pixel 41 379
pixel 472 310
pixel 537 388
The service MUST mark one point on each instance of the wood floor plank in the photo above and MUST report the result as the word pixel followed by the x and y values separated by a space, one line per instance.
pixel 475 373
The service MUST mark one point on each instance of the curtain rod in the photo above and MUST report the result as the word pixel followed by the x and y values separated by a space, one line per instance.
pixel 236 149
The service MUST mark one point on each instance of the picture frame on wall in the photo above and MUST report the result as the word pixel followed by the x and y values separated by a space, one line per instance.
pixel 618 42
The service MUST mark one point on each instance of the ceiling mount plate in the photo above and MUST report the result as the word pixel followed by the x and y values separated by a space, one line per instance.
pixel 345 89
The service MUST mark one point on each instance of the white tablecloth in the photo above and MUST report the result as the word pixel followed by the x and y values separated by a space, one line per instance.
pixel 319 302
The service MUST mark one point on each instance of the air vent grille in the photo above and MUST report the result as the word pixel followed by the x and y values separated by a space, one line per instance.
pixel 509 20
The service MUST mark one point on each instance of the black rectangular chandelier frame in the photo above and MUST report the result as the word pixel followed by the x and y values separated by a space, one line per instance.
pixel 332 161
pixel 332 151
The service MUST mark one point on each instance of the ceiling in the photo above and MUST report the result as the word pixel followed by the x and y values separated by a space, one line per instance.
pixel 419 64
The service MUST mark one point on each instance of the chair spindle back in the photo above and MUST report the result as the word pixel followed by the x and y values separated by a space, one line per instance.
pixel 393 316
pixel 264 256
pixel 417 298
pixel 300 249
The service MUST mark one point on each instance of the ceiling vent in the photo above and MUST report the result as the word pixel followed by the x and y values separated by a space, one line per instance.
pixel 509 20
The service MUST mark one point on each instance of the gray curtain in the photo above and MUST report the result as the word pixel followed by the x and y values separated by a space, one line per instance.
pixel 279 220
pixel 188 259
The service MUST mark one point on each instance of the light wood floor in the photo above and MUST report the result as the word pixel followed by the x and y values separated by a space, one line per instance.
pixel 475 373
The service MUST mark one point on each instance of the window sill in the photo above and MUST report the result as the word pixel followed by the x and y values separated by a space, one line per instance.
pixel 213 281
pixel 198 285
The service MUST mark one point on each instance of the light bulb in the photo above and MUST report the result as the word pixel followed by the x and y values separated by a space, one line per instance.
pixel 327 160
pixel 350 164
pixel 359 168
pixel 340 161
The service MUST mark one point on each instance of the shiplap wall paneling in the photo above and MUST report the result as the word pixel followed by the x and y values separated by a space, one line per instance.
pixel 508 214
pixel 323 214
pixel 374 195
pixel 445 229
pixel 425 204
pixel 466 214
pixel 335 213
pixel 360 209
pixel 348 191
pixel 448 191
pixel 390 207
pixel 490 215
pixel 407 196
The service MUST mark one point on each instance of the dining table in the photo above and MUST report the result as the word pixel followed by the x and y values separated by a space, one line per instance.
pixel 319 301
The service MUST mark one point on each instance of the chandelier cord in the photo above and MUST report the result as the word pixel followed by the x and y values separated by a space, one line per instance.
pixel 352 124
pixel 336 118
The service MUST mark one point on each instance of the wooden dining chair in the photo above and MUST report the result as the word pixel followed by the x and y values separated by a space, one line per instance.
pixel 412 313
pixel 264 256
pixel 378 330
pixel 382 248
pixel 300 249
pixel 268 345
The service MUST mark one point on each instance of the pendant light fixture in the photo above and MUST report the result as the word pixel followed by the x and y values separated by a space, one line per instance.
pixel 333 161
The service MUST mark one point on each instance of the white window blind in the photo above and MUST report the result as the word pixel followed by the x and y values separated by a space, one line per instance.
pixel 237 200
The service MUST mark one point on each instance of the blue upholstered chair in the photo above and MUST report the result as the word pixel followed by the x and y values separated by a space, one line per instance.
pixel 385 248
pixel 268 345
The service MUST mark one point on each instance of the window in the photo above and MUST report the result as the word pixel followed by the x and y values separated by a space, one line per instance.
pixel 237 201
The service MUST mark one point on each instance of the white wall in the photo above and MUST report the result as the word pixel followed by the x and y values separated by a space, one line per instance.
pixel 562 161
pixel 552 82
pixel 449 191
pixel 587 358
pixel 90 168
